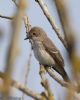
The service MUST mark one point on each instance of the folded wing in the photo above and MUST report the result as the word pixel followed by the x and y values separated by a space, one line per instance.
pixel 53 51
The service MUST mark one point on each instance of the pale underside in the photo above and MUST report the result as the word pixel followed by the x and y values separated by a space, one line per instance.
pixel 42 55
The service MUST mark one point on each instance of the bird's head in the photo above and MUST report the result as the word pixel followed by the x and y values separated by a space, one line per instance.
pixel 36 33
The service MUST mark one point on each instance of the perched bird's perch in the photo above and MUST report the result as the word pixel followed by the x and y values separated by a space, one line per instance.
pixel 48 93
pixel 62 82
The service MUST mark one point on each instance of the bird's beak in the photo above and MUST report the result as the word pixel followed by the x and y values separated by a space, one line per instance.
pixel 27 38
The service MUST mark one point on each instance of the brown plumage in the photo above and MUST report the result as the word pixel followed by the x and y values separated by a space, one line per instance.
pixel 54 52
pixel 39 39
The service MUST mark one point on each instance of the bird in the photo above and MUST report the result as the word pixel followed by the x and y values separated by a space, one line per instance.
pixel 45 51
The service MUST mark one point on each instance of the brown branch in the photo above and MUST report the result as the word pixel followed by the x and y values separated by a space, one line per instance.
pixel 50 19
pixel 23 88
pixel 45 84
pixel 69 37
pixel 28 27
pixel 7 17
pixel 68 33
pixel 13 49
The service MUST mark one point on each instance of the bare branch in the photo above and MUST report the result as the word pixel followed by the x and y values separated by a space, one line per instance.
pixel 13 49
pixel 62 82
pixel 23 88
pixel 70 39
pixel 68 33
pixel 7 17
pixel 50 19
pixel 45 84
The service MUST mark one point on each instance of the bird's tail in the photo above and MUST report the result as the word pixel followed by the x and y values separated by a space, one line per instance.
pixel 65 77
pixel 62 72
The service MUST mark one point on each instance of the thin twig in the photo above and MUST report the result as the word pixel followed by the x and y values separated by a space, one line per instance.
pixel 50 19
pixel 27 71
pixel 28 27
pixel 7 17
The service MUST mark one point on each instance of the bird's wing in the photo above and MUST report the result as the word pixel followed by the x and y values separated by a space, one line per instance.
pixel 53 51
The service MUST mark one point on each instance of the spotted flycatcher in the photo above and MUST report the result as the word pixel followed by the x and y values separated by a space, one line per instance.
pixel 45 51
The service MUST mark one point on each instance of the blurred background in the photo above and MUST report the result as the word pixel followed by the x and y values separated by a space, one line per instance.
pixel 37 18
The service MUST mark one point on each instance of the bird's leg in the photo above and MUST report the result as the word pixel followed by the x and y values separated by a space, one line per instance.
pixel 47 67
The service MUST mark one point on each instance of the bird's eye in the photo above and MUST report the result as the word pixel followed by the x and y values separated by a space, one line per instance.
pixel 34 33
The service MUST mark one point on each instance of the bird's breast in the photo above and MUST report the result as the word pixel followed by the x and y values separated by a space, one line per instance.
pixel 42 55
